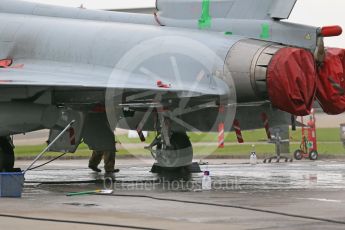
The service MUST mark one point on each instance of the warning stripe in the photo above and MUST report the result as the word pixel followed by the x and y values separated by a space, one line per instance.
pixel 221 137
pixel 238 131
pixel 72 136
pixel 141 135
pixel 221 127
pixel 266 124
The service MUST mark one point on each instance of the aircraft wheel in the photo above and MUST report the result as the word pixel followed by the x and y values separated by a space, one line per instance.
pixel 313 155
pixel 6 155
pixel 179 154
pixel 298 155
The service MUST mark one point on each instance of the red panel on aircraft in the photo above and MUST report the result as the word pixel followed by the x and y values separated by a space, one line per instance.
pixel 331 85
pixel 291 81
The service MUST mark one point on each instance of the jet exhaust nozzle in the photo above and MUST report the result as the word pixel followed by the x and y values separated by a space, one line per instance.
pixel 286 76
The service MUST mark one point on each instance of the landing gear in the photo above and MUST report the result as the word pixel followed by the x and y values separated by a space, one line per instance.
pixel 173 162
pixel 6 155
pixel 178 153
pixel 174 159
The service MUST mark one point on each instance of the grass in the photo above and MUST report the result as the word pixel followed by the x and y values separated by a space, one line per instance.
pixel 82 152
pixel 328 145
pixel 323 135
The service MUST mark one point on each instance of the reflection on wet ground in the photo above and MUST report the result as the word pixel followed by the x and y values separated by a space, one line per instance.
pixel 298 195
pixel 289 176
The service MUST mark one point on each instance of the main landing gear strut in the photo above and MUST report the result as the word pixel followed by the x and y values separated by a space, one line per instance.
pixel 174 154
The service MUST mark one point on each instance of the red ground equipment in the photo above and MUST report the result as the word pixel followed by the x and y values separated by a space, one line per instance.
pixel 308 147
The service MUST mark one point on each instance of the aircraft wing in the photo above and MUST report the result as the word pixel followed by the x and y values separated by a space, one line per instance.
pixel 67 76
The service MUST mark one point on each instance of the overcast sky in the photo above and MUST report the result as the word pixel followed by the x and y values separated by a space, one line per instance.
pixel 313 12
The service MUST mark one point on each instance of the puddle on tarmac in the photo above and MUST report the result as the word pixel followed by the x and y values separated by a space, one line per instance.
pixel 234 177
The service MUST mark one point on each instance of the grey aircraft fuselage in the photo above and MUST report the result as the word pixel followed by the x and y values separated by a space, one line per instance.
pixel 87 47
pixel 69 63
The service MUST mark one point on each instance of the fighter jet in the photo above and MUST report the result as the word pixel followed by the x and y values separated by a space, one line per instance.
pixel 191 66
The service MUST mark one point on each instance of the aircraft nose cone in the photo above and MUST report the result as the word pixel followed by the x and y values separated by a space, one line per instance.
pixel 291 80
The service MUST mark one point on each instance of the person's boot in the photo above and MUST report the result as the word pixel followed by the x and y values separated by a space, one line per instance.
pixel 109 162
pixel 95 159
pixel 113 171
pixel 95 169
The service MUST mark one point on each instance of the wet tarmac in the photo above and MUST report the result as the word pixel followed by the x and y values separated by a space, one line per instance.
pixel 299 195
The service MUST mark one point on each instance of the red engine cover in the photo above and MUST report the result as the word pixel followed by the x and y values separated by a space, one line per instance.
pixel 291 81
pixel 331 86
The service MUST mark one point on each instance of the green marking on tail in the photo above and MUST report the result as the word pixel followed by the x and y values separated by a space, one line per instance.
pixel 205 19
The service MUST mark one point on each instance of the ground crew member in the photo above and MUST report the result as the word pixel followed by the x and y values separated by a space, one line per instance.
pixel 6 154
pixel 109 161
pixel 100 138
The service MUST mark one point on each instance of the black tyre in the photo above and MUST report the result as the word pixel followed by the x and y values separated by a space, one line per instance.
pixel 6 155
pixel 298 155
pixel 313 155
pixel 178 154
pixel 180 141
